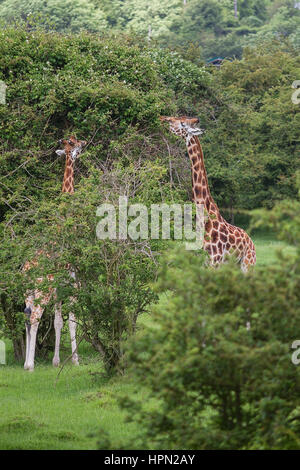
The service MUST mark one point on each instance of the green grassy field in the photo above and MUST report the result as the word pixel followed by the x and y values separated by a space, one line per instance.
pixel 38 412
pixel 266 248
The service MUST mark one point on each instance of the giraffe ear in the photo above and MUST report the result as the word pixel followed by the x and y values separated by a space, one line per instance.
pixel 60 152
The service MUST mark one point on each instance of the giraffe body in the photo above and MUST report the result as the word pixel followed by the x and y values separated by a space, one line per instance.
pixel 37 300
pixel 220 237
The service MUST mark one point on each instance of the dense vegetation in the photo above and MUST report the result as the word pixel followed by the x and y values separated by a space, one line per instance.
pixel 217 349
pixel 217 356
pixel 211 27
pixel 112 92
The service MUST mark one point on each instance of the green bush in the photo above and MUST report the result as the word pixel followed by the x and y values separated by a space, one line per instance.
pixel 215 363
pixel 67 15
pixel 102 89
pixel 109 91
pixel 113 277
pixel 217 359
pixel 251 147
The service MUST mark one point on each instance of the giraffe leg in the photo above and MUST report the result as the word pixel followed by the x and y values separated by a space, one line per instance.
pixel 32 342
pixel 72 327
pixel 35 313
pixel 32 329
pixel 58 324
pixel 248 260
pixel 244 266
pixel 28 336
pixel 29 302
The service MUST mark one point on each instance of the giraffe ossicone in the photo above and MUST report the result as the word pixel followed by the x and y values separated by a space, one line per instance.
pixel 37 300
pixel 221 238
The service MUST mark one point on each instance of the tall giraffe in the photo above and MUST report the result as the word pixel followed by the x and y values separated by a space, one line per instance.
pixel 33 311
pixel 220 237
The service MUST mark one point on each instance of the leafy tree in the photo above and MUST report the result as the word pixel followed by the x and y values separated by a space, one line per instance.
pixel 210 25
pixel 215 364
pixel 283 218
pixel 139 15
pixel 112 277
pixel 61 15
pixel 252 144
pixel 256 8
pixel 200 17
pixel 285 22
pixel 110 92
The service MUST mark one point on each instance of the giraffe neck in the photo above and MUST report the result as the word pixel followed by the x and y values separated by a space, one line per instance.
pixel 201 192
pixel 68 181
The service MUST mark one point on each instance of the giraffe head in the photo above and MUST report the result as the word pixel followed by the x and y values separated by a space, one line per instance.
pixel 182 126
pixel 72 147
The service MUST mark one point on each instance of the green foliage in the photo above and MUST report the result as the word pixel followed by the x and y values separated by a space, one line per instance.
pixel 180 75
pixel 283 218
pixel 201 16
pixel 32 406
pixel 60 15
pixel 112 278
pixel 160 16
pixel 252 145
pixel 217 359
pixel 284 23
pixel 109 91
pixel 257 8
pixel 98 88
pixel 210 24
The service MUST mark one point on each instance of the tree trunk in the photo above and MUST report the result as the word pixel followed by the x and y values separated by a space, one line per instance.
pixel 17 338
pixel 19 349
pixel 238 407
pixel 149 32
pixel 235 8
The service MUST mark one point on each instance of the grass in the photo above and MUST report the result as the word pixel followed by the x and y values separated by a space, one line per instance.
pixel 36 412
pixel 266 247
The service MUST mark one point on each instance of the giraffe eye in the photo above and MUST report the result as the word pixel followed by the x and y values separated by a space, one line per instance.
pixel 70 142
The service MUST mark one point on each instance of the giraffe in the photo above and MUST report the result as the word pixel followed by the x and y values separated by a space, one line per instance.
pixel 220 237
pixel 34 311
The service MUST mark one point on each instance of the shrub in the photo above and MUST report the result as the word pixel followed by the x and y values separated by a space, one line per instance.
pixel 216 359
